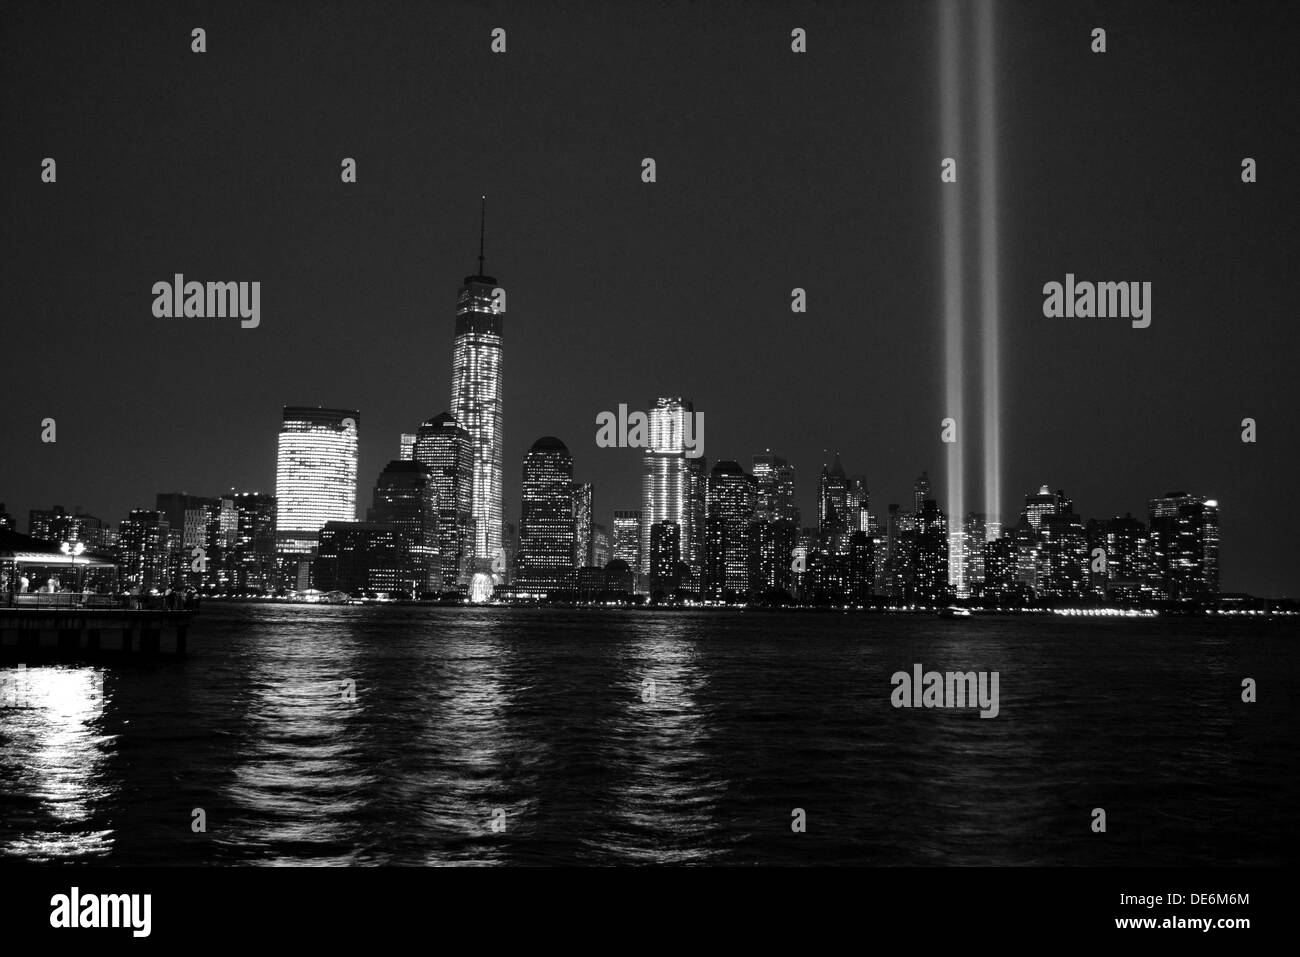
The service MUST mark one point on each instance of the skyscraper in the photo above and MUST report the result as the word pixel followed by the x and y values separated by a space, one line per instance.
pixel 932 567
pixel 771 546
pixel 583 528
pixel 665 558
pixel 200 529
pixel 444 448
pixel 57 525
pixel 254 550
pixel 476 400
pixel 142 549
pixel 833 501
pixel 1129 562
pixel 363 556
pixel 601 553
pixel 972 553
pixel 405 498
pixel 315 475
pixel 697 496
pixel 627 536
pixel 666 482
pixel 730 511
pixel 1185 545
pixel 774 477
pixel 546 525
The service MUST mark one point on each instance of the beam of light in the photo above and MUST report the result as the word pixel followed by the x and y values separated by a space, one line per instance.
pixel 986 95
pixel 954 384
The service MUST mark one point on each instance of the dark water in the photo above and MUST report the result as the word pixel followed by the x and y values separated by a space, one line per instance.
pixel 460 714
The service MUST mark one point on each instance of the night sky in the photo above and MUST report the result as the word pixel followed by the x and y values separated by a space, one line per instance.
pixel 775 170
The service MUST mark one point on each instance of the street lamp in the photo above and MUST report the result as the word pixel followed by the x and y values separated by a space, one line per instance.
pixel 72 550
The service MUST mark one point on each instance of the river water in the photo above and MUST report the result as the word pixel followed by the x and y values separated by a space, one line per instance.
pixel 411 735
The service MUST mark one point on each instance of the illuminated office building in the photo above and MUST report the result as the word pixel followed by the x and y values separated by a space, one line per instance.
pixel 142 549
pixel 476 404
pixel 1184 532
pixel 972 553
pixel 697 495
pixel 254 563
pixel 671 489
pixel 57 525
pixel 1063 555
pixel 583 529
pixel 627 536
pixel 315 475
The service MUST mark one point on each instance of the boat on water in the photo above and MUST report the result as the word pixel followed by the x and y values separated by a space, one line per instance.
pixel 952 611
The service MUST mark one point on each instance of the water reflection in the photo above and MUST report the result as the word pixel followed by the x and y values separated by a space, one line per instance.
pixel 665 800
pixel 299 785
pixel 550 716
pixel 53 756
pixel 463 790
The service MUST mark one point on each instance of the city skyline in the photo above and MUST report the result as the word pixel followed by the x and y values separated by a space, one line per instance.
pixel 748 529
pixel 438 521
pixel 626 290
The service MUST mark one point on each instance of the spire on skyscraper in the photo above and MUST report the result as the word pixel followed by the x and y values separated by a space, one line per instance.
pixel 482 230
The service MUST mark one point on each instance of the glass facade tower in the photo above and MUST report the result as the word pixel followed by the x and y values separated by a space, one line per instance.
pixel 315 474
pixel 476 402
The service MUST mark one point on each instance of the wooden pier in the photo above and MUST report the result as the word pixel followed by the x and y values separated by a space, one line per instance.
pixel 64 634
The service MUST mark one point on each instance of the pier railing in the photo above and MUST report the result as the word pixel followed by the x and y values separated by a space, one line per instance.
pixel 90 600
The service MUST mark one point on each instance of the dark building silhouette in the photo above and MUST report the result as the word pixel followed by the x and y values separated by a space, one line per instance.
pixel 405 497
pixel 546 526
pixel 771 557
pixel 254 561
pixel 443 447
pixel 666 563
pixel 774 483
pixel 730 509
pixel 367 557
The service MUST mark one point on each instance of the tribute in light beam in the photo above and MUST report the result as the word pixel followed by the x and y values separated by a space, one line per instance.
pixel 950 142
pixel 986 95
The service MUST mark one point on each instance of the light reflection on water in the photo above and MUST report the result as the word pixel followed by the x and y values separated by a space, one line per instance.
pixel 666 795
pixel 52 720
pixel 539 720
